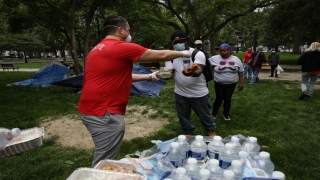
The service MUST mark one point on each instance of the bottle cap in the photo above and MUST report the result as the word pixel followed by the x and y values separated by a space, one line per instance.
pixel 228 174
pixel 199 138
pixel 236 163
pixel 174 145
pixel 253 139
pixel 192 161
pixel 181 170
pixel 278 175
pixel 234 139
pixel 264 155
pixel 204 173
pixel 214 162
pixel 217 138
pixel 182 137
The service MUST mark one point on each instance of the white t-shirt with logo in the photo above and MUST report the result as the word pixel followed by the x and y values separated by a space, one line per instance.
pixel 188 86
pixel 226 69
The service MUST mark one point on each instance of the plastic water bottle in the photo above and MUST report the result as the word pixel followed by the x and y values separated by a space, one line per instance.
pixel 199 149
pixel 278 175
pixel 242 157
pixel 184 146
pixel 249 149
pixel 269 166
pixel 181 174
pixel 228 175
pixel 254 142
pixel 175 156
pixel 235 142
pixel 215 147
pixel 204 174
pixel 216 172
pixel 237 168
pixel 192 168
pixel 227 156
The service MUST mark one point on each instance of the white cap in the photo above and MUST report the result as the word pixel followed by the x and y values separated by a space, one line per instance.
pixel 228 146
pixel 228 174
pixel 236 163
pixel 234 139
pixel 253 139
pixel 204 173
pixel 182 137
pixel 15 132
pixel 199 138
pixel 192 161
pixel 214 162
pixel 217 138
pixel 264 155
pixel 198 42
pixel 181 170
pixel 278 175
pixel 174 145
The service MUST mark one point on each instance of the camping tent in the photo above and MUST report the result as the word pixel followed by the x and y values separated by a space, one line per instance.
pixel 141 88
pixel 45 76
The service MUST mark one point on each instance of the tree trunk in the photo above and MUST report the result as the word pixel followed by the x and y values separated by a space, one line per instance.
pixel 25 57
pixel 296 41
pixel 213 45
pixel 73 39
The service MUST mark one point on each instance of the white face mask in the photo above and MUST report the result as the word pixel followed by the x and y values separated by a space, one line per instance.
pixel 273 51
pixel 128 39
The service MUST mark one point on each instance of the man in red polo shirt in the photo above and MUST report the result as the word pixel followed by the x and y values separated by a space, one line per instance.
pixel 107 83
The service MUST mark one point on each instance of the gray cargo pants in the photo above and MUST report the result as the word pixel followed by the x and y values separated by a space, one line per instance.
pixel 107 133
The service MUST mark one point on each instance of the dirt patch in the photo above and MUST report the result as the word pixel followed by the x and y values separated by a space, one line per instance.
pixel 72 132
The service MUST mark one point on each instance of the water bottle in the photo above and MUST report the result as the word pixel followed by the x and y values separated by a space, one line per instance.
pixel 249 149
pixel 228 175
pixel 243 157
pixel 199 149
pixel 254 142
pixel 192 168
pixel 184 146
pixel 269 166
pixel 175 156
pixel 204 174
pixel 237 168
pixel 181 174
pixel 227 156
pixel 215 147
pixel 235 142
pixel 216 172
pixel 278 175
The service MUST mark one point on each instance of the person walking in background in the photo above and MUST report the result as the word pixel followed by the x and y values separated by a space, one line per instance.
pixel 107 83
pixel 257 58
pixel 191 91
pixel 246 65
pixel 310 67
pixel 274 61
pixel 228 70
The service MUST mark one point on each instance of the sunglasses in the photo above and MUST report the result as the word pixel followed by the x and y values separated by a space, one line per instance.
pixel 223 63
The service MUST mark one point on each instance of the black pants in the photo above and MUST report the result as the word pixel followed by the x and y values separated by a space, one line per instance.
pixel 223 93
pixel 273 67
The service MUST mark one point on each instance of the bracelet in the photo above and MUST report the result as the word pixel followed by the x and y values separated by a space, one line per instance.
pixel 150 75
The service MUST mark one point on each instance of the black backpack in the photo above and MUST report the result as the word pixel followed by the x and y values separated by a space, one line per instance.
pixel 207 70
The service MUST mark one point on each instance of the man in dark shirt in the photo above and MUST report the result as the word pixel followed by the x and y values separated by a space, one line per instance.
pixel 257 58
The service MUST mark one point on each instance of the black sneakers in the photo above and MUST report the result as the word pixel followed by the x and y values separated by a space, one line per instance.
pixel 303 95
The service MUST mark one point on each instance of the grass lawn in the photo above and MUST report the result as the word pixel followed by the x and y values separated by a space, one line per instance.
pixel 270 110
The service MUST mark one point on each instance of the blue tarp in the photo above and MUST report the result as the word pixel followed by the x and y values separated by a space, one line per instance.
pixel 141 88
pixel 45 76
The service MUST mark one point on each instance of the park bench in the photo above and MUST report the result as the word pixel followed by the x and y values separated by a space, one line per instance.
pixel 9 66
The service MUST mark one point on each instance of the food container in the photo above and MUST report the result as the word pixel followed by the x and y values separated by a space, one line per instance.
pixel 165 75
pixel 116 166
pixel 97 174
pixel 29 139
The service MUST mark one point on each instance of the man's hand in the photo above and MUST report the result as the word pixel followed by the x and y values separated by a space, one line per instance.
pixel 154 76
pixel 240 86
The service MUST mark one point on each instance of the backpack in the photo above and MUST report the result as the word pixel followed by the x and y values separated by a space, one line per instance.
pixel 207 70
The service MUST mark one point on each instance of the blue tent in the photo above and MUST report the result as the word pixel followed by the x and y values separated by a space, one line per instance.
pixel 141 88
pixel 45 76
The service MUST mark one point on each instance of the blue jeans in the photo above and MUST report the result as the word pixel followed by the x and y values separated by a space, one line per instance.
pixel 255 77
pixel 201 107
pixel 305 78
pixel 247 69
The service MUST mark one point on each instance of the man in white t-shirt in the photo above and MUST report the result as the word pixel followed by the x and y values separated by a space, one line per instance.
pixel 191 91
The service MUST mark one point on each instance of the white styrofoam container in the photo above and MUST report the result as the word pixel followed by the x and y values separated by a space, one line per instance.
pixel 36 137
